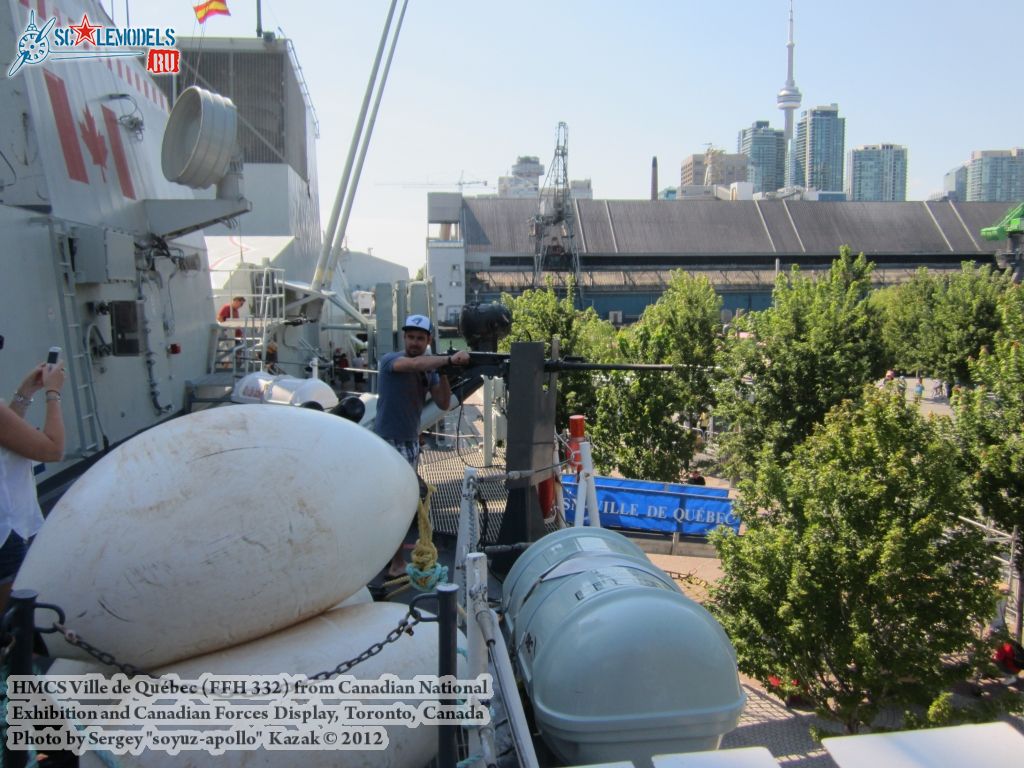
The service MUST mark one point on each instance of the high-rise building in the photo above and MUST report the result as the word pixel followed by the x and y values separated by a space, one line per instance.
pixel 713 167
pixel 693 171
pixel 819 147
pixel 724 169
pixel 525 178
pixel 877 173
pixel 996 176
pixel 581 189
pixel 954 184
pixel 765 150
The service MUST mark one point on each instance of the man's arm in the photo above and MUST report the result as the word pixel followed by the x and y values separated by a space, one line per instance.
pixel 428 363
pixel 441 393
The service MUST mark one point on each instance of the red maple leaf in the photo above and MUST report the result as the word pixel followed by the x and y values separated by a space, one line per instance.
pixel 94 142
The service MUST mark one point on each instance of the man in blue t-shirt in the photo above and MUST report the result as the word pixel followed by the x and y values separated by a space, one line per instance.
pixel 403 382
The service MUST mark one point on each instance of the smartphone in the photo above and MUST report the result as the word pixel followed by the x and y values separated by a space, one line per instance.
pixel 53 356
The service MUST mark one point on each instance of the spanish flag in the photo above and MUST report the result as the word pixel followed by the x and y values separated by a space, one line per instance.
pixel 211 8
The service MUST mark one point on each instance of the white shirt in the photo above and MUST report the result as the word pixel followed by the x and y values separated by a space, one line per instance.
pixel 19 504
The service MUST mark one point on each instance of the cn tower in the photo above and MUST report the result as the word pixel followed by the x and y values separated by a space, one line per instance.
pixel 789 97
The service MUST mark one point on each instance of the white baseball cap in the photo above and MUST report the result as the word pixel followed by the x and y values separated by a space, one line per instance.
pixel 417 323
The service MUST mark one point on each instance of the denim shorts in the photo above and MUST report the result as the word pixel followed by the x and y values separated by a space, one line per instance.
pixel 12 553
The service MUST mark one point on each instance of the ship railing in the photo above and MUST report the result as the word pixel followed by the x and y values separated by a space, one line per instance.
pixel 300 77
pixel 1005 544
pixel 484 640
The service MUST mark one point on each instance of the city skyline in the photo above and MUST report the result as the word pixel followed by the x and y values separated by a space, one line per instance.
pixel 471 89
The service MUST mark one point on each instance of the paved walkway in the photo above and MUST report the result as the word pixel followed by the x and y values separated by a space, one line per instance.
pixel 766 721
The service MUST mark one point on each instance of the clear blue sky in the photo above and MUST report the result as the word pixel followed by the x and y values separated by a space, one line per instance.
pixel 475 83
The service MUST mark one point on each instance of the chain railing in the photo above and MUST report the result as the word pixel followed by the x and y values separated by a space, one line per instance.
pixel 18 627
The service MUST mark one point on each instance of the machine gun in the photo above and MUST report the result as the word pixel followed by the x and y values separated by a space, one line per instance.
pixel 532 395
pixel 483 326
pixel 1010 228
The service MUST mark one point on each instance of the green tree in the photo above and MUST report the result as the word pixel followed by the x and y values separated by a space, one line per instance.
pixel 855 577
pixel 784 368
pixel 965 319
pixel 906 314
pixel 540 315
pixel 990 421
pixel 643 424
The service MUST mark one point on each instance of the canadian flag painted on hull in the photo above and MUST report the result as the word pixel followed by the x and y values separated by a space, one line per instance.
pixel 85 130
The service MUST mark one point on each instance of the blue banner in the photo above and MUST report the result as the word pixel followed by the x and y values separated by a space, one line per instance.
pixel 692 510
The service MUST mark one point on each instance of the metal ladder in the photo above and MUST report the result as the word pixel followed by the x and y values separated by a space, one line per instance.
pixel 78 363
pixel 266 301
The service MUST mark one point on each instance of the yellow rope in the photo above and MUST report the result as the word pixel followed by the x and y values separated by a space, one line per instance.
pixel 423 573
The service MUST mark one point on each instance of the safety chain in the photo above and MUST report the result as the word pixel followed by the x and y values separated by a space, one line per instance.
pixel 103 657
pixel 410 620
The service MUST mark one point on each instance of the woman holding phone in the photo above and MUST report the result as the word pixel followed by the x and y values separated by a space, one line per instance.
pixel 21 444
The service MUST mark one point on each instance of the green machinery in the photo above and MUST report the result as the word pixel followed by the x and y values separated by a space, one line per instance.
pixel 1010 228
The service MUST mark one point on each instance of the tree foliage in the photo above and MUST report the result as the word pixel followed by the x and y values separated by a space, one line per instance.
pixel 643 424
pixel 990 419
pixel 855 577
pixel 539 315
pixel 935 324
pixel 906 314
pixel 784 368
pixel 966 319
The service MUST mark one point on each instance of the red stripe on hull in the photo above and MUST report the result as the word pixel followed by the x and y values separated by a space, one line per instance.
pixel 66 127
pixel 124 175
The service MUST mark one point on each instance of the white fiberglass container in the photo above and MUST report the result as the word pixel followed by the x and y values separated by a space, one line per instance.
pixel 618 663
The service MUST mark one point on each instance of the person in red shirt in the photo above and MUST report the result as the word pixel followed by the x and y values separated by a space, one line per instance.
pixel 230 310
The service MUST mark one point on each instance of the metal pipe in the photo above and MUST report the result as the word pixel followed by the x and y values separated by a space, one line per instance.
pixel 503 549
pixel 21 618
pixel 467 540
pixel 553 366
pixel 588 486
pixel 506 680
pixel 447 650
pixel 332 258
pixel 488 422
pixel 332 224
pixel 481 740
pixel 1017 564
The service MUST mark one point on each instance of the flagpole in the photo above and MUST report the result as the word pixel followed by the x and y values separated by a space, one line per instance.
pixel 259 18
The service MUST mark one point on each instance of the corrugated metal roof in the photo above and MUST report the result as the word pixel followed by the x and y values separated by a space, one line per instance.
pixel 978 215
pixel 658 279
pixel 501 226
pixel 867 227
pixel 498 225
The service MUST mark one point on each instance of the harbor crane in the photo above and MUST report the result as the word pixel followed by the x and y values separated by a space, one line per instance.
pixel 461 184
pixel 1010 228
pixel 553 227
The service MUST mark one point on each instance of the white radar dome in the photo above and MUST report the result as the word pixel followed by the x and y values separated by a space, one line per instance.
pixel 200 138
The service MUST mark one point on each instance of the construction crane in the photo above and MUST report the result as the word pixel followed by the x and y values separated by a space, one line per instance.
pixel 461 183
pixel 1010 228
pixel 553 227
